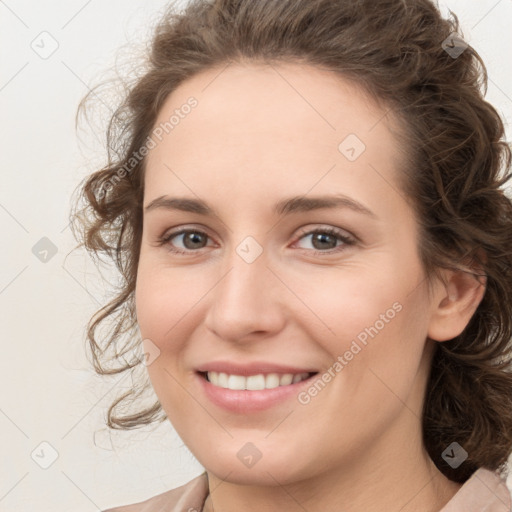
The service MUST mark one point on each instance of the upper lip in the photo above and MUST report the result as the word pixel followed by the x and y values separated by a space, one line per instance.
pixel 253 368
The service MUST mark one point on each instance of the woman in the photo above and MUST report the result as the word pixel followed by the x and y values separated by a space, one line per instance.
pixel 306 203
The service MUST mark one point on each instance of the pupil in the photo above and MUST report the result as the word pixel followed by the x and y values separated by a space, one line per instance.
pixel 322 236
pixel 193 238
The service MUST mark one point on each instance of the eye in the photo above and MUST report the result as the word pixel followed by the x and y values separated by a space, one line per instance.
pixel 325 240
pixel 191 239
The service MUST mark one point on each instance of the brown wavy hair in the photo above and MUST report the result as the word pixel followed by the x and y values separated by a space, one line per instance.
pixel 457 165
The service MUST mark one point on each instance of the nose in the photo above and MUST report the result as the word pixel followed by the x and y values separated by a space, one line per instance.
pixel 247 303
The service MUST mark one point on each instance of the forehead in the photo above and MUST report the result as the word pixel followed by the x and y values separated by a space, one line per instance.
pixel 276 122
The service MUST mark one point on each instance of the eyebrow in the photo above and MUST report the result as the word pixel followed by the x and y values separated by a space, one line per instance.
pixel 284 207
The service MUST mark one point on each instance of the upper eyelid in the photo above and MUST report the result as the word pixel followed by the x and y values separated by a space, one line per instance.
pixel 320 227
pixel 303 230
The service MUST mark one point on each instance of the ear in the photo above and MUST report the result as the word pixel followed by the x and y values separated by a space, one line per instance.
pixel 455 301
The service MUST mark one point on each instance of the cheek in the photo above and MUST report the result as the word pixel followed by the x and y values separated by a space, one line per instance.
pixel 374 321
pixel 385 359
pixel 163 298
pixel 348 303
pixel 169 307
pixel 163 305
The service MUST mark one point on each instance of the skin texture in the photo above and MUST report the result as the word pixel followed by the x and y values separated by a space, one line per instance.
pixel 260 134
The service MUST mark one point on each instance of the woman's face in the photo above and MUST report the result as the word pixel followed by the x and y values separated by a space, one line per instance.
pixel 300 256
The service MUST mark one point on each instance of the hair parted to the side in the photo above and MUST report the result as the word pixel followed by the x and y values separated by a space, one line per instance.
pixel 457 166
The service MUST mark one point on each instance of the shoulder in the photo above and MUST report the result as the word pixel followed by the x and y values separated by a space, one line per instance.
pixel 484 491
pixel 186 498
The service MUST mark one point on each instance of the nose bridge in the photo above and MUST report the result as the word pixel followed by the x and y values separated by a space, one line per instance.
pixel 248 272
pixel 246 285
pixel 244 300
pixel 247 264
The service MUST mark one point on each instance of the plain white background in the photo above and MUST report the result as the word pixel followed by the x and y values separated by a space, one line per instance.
pixel 49 394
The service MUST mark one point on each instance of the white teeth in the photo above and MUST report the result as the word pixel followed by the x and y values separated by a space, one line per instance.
pixel 286 379
pixel 272 381
pixel 254 382
pixel 236 382
pixel 222 379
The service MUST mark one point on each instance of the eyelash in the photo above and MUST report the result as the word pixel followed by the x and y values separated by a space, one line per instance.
pixel 347 241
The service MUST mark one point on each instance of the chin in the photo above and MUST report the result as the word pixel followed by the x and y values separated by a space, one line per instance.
pixel 270 470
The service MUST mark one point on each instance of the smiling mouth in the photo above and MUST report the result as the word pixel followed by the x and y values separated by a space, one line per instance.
pixel 256 382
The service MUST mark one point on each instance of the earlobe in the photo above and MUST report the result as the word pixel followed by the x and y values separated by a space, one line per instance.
pixel 455 303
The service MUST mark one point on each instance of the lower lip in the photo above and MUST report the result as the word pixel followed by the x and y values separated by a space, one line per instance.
pixel 245 401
